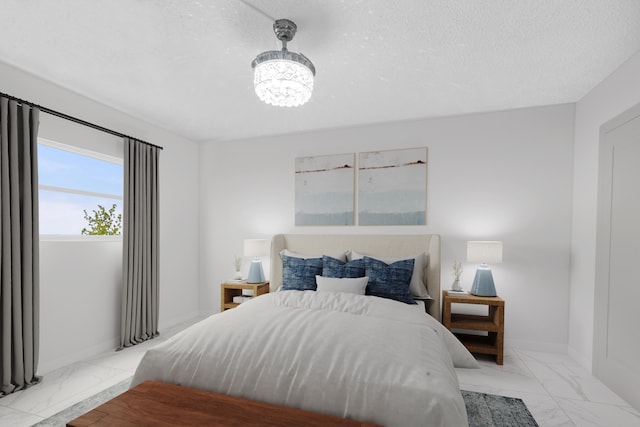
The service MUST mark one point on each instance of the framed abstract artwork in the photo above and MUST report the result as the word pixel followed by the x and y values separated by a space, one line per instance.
pixel 325 190
pixel 392 187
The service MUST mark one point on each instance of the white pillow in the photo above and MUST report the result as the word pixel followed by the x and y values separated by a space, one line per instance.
pixel 417 286
pixel 347 285
pixel 342 256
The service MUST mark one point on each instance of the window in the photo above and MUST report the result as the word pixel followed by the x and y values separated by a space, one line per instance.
pixel 73 180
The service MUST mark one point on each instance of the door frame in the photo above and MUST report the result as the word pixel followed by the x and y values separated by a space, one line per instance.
pixel 610 374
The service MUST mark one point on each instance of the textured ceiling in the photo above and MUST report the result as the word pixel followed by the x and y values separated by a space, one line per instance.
pixel 185 65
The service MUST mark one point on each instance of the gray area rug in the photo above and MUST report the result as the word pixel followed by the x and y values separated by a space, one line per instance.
pixel 73 412
pixel 484 410
pixel 488 410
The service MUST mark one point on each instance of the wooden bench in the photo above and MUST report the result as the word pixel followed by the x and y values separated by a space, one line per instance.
pixel 154 403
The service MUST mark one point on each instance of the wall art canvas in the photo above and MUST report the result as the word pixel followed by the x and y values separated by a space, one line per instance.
pixel 392 187
pixel 325 190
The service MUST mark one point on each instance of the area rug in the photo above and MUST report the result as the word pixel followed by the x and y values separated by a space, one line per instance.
pixel 484 410
pixel 73 412
pixel 488 410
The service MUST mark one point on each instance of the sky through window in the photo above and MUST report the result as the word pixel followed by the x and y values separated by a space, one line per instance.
pixel 71 183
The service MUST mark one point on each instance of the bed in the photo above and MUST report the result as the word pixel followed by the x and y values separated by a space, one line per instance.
pixel 367 358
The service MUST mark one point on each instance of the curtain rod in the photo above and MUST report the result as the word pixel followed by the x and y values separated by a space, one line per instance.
pixel 75 119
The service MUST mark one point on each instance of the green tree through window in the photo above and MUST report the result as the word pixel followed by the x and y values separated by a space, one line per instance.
pixel 103 222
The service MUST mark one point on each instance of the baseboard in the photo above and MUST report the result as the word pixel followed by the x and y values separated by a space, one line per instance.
pixel 547 347
pixel 175 321
pixel 45 367
pixel 583 360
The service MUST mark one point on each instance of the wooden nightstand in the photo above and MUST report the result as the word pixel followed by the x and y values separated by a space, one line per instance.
pixel 493 324
pixel 228 290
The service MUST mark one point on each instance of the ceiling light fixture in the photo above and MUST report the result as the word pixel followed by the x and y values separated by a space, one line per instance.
pixel 283 78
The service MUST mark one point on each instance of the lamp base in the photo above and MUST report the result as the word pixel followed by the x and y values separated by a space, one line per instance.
pixel 256 274
pixel 483 285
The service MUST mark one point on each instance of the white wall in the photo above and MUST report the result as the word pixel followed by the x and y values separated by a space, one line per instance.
pixel 504 176
pixel 85 294
pixel 79 299
pixel 617 93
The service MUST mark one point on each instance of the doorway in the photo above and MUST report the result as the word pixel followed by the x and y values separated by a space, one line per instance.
pixel 617 288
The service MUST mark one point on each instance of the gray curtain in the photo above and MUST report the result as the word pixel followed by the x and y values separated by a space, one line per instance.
pixel 140 244
pixel 19 246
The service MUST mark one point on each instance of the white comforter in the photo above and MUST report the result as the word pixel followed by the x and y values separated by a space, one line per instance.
pixel 359 357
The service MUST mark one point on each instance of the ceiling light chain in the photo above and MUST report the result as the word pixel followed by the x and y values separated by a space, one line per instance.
pixel 283 78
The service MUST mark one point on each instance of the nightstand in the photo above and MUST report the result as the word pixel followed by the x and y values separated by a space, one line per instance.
pixel 228 290
pixel 492 323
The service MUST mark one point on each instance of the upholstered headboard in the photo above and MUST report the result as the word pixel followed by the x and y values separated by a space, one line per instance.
pixel 370 244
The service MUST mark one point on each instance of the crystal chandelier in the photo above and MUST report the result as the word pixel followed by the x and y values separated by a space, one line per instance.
pixel 283 78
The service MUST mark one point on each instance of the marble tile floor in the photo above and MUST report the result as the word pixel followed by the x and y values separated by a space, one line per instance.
pixel 557 391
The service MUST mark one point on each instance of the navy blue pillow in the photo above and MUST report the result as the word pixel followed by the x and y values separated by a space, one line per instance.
pixel 332 267
pixel 300 274
pixel 389 280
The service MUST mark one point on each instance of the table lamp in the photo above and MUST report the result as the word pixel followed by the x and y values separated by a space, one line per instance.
pixel 256 248
pixel 484 252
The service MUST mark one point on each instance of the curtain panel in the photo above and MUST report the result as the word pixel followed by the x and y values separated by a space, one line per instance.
pixel 19 246
pixel 140 299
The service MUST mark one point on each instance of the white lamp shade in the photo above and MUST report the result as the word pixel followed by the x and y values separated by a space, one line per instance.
pixel 484 252
pixel 256 247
